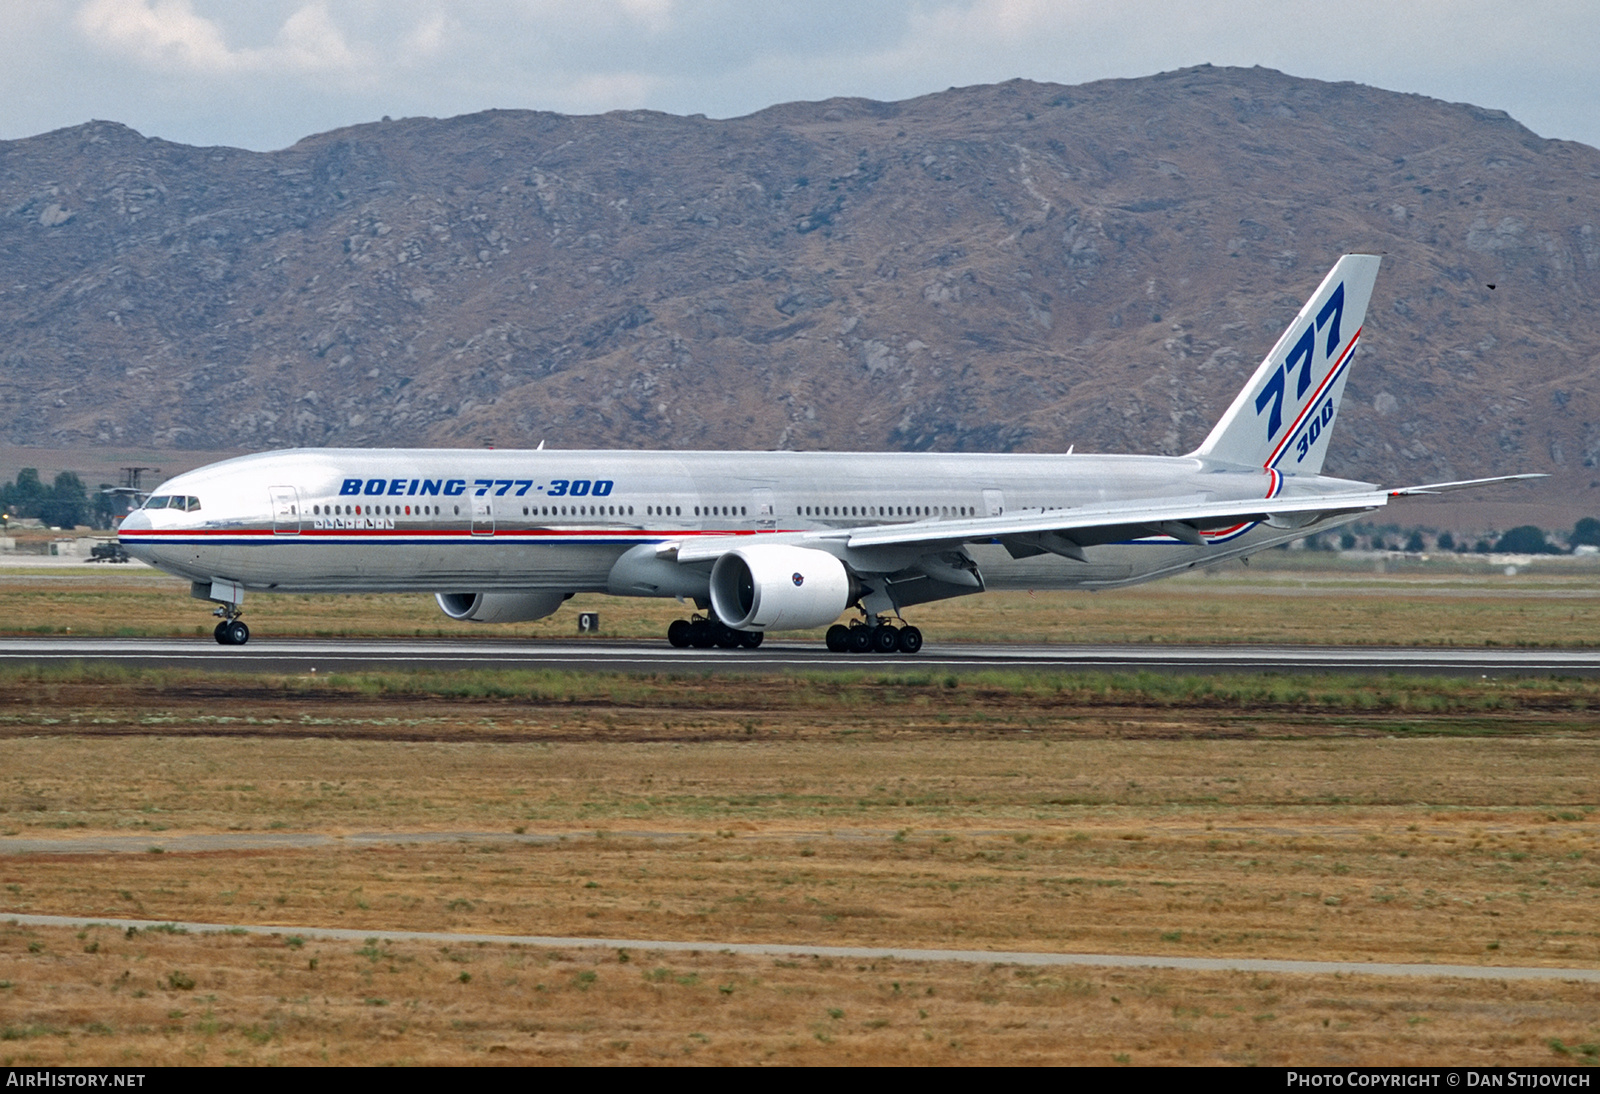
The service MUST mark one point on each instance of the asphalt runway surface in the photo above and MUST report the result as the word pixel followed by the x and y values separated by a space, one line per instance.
pixel 299 655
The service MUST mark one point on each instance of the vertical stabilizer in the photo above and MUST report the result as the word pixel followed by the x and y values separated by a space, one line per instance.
pixel 1284 415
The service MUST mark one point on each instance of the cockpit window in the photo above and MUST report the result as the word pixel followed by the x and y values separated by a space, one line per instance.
pixel 173 501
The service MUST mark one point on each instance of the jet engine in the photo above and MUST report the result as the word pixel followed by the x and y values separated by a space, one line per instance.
pixel 513 607
pixel 778 587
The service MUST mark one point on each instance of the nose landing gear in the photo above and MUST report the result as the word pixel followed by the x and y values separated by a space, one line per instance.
pixel 232 630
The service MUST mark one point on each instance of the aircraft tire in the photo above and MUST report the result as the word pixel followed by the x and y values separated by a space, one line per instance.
pixel 238 633
pixel 221 633
pixel 678 633
pixel 701 636
pixel 885 639
pixel 860 639
pixel 838 638
pixel 727 637
pixel 750 639
pixel 909 640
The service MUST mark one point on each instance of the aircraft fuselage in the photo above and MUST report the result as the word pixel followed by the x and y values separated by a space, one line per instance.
pixel 396 520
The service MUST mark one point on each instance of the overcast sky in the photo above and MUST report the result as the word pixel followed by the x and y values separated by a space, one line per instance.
pixel 262 74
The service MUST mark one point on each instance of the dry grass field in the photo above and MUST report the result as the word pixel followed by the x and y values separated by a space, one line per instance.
pixel 160 998
pixel 1387 819
pixel 1382 819
pixel 1290 597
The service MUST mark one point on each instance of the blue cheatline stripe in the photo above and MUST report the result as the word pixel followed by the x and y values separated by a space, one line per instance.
pixel 1316 396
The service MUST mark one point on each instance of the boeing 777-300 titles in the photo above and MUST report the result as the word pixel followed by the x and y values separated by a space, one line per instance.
pixel 774 541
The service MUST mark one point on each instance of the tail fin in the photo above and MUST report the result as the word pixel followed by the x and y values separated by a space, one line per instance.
pixel 1283 416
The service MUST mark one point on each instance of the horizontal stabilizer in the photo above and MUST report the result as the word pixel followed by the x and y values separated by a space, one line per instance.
pixel 1464 484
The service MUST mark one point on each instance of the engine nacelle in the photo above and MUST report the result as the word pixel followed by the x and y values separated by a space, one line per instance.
pixel 515 607
pixel 778 587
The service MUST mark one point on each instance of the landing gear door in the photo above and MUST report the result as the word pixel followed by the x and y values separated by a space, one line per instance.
pixel 766 510
pixel 483 516
pixel 285 510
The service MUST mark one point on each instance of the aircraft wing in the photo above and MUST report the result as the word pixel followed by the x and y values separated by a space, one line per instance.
pixel 1183 518
pixel 1179 517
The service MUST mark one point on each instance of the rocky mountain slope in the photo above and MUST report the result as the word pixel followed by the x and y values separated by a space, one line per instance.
pixel 1019 267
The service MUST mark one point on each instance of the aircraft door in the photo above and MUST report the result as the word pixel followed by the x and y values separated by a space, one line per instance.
pixel 483 516
pixel 766 510
pixel 994 503
pixel 285 510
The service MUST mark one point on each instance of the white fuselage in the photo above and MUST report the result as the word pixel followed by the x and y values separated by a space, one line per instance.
pixel 442 521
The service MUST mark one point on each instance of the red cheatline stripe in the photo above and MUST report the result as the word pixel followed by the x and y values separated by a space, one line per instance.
pixel 1327 381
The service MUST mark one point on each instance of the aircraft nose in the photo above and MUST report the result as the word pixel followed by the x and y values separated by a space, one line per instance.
pixel 132 542
pixel 136 521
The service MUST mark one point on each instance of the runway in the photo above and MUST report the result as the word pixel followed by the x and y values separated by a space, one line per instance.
pixel 296 655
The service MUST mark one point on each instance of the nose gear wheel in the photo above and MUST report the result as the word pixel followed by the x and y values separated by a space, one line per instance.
pixel 232 630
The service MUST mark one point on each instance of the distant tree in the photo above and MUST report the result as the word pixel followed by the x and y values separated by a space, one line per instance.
pixel 67 502
pixel 1447 542
pixel 1481 547
pixel 26 495
pixel 1525 539
pixel 1415 545
pixel 1347 541
pixel 1378 543
pixel 1585 533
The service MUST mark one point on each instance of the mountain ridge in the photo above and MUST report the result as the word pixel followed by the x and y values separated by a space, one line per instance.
pixel 1007 267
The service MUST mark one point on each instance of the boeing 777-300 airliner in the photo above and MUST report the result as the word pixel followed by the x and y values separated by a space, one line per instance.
pixel 762 541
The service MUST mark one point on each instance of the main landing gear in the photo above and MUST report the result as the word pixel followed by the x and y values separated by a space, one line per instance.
pixel 232 630
pixel 879 636
pixel 702 633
